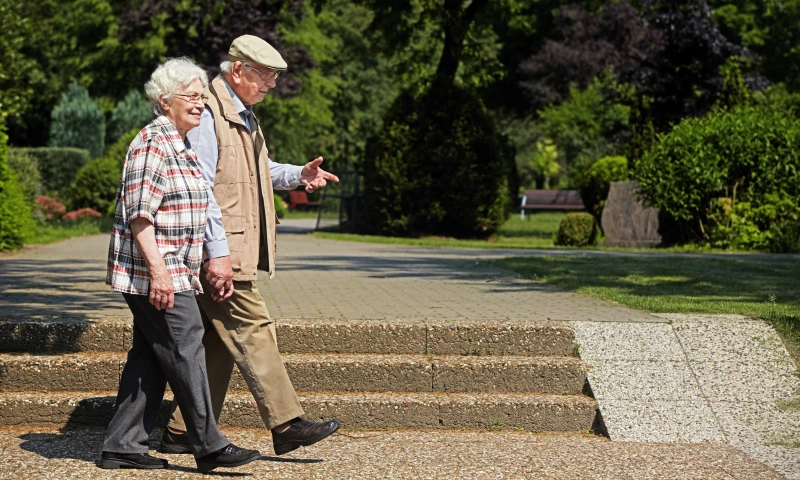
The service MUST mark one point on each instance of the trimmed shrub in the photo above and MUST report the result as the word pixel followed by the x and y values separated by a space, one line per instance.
pixel 96 185
pixel 26 169
pixel 51 208
pixel 119 150
pixel 131 113
pixel 16 221
pixel 439 167
pixel 281 209
pixel 576 230
pixel 699 172
pixel 81 214
pixel 597 180
pixel 57 167
pixel 77 121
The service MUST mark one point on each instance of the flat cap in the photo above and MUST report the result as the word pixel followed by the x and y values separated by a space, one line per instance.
pixel 253 49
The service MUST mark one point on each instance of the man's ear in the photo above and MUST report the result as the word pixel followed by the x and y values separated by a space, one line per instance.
pixel 236 72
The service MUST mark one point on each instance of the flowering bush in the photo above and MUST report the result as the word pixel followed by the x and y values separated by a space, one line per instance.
pixel 82 213
pixel 52 207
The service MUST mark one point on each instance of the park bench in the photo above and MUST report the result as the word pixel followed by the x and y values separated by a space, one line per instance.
pixel 550 200
pixel 298 198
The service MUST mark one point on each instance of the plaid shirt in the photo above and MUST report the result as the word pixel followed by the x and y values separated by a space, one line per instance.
pixel 161 181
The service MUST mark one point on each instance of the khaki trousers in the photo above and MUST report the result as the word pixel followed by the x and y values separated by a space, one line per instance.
pixel 239 331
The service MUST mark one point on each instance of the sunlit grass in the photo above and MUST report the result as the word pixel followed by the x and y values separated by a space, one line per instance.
pixel 759 287
pixel 536 231
pixel 54 231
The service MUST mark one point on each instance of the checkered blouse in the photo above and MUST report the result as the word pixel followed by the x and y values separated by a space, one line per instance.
pixel 161 181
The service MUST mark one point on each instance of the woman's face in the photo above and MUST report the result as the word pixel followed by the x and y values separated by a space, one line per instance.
pixel 185 107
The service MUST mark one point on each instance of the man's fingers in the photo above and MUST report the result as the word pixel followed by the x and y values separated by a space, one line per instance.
pixel 171 302
pixel 329 176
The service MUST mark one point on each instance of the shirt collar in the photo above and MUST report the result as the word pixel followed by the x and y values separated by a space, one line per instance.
pixel 240 107
pixel 172 133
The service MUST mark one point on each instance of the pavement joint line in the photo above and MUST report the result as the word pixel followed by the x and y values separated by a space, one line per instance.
pixel 697 379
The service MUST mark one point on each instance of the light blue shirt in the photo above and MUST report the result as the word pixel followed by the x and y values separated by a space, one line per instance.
pixel 204 142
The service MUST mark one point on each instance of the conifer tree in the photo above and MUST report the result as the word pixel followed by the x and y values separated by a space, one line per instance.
pixel 734 92
pixel 77 121
pixel 131 112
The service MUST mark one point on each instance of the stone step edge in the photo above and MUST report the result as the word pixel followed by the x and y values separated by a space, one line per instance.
pixel 315 372
pixel 532 412
pixel 553 338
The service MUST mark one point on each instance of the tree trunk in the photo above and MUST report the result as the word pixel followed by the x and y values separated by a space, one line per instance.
pixel 456 24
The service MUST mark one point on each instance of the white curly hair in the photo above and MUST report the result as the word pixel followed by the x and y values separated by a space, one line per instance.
pixel 169 77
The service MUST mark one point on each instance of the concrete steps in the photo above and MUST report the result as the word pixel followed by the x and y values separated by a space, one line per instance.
pixel 370 375
pixel 395 410
pixel 304 336
pixel 324 372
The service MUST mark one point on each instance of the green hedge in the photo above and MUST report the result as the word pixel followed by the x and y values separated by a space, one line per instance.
pixel 438 167
pixel 701 173
pixel 57 166
pixel 26 169
pixel 576 230
pixel 596 182
pixel 16 220
pixel 96 186
pixel 96 183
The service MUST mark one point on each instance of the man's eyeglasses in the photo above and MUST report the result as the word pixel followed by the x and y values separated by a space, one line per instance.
pixel 263 75
pixel 192 97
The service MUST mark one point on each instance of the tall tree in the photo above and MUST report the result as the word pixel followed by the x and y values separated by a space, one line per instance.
pixel 584 44
pixel 771 29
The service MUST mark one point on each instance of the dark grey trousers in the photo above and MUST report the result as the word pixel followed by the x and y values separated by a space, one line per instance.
pixel 167 347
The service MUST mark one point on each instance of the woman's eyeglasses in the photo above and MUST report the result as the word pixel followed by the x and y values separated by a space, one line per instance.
pixel 192 97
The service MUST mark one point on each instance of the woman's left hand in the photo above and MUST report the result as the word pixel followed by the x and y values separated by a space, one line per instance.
pixel 162 291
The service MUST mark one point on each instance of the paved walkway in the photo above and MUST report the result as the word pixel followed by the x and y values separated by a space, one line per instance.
pixel 657 378
pixel 49 454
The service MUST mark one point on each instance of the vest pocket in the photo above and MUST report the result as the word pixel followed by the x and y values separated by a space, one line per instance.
pixel 235 226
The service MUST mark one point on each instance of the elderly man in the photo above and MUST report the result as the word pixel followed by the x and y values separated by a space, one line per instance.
pixel 240 240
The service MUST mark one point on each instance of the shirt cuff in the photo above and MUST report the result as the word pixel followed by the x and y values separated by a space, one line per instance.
pixel 294 177
pixel 217 248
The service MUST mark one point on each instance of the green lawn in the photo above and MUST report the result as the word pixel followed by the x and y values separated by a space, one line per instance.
pixel 54 231
pixel 536 231
pixel 760 287
pixel 299 214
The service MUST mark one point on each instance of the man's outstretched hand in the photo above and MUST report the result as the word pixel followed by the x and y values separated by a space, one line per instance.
pixel 314 177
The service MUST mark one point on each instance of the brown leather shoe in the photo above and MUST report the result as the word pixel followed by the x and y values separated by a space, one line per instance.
pixel 302 433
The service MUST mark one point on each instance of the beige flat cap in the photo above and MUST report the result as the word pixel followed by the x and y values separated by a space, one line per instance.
pixel 253 49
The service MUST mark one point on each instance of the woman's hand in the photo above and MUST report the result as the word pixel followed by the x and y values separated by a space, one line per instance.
pixel 162 291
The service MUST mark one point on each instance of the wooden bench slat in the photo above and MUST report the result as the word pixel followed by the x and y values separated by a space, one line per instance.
pixel 550 200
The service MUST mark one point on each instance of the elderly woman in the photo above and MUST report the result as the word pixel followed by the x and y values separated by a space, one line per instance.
pixel 154 260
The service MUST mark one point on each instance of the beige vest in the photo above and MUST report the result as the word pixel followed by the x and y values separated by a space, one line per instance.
pixel 236 190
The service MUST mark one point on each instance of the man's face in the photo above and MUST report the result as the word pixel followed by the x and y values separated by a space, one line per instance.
pixel 251 81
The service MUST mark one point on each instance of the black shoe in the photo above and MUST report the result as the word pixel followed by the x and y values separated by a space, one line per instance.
pixel 302 433
pixel 230 456
pixel 112 460
pixel 175 443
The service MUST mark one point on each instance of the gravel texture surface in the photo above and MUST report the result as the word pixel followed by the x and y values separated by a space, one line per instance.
pixel 50 454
